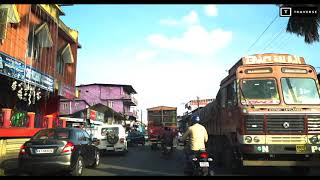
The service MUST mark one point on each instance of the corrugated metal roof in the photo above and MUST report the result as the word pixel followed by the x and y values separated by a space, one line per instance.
pixel 159 108
pixel 128 88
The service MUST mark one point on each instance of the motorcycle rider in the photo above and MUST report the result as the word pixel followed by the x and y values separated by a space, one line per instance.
pixel 167 137
pixel 198 137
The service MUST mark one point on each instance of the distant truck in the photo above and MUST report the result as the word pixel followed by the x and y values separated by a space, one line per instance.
pixel 266 113
pixel 158 118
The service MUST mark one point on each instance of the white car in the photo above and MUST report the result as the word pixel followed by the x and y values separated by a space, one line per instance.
pixel 112 137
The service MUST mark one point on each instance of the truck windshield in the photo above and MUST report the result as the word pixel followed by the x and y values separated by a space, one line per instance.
pixel 259 91
pixel 300 91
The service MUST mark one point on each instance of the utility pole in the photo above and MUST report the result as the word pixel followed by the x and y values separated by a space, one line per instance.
pixel 198 103
pixel 141 116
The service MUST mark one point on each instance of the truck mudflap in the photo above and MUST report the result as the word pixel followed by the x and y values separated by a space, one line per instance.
pixel 281 163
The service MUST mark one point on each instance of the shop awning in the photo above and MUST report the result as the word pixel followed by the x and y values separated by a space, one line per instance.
pixel 44 35
pixel 67 54
pixel 12 15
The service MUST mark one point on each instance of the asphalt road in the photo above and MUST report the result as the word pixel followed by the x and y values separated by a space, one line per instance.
pixel 139 161
pixel 142 161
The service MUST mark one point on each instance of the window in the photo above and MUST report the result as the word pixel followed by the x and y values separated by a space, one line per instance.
pixel 232 94
pixel 8 14
pixel 60 64
pixel 110 104
pixel 80 136
pixel 300 91
pixel 106 131
pixel 3 23
pixel 33 50
pixel 56 134
pixel 64 106
pixel 259 91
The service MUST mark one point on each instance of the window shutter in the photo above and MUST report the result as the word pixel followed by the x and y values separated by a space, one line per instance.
pixel 3 22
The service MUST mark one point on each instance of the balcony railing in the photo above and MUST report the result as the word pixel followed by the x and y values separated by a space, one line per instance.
pixel 131 98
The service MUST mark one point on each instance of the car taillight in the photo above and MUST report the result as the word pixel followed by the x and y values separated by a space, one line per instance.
pixel 121 140
pixel 204 155
pixel 22 150
pixel 68 148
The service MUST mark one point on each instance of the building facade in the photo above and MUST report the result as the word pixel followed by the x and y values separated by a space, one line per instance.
pixel 38 58
pixel 120 98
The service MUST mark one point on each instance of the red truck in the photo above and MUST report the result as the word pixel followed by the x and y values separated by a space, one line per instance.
pixel 158 118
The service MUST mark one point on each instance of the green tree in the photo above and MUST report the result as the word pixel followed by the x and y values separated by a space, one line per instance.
pixel 304 26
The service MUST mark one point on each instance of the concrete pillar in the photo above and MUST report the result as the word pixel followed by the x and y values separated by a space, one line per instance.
pixel 49 121
pixel 6 117
pixel 64 122
pixel 31 116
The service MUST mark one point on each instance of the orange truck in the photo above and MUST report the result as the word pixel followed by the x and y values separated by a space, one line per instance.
pixel 158 118
pixel 266 113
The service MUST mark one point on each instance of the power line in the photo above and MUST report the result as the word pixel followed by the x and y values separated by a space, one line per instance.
pixel 275 37
pixel 276 17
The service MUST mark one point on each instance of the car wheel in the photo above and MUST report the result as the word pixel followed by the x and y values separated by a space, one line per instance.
pixel 78 169
pixel 96 160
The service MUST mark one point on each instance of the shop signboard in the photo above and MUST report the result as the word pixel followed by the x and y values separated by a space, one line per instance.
pixel 66 91
pixel 11 67
pixel 91 114
pixel 39 79
pixel 18 70
pixel 47 82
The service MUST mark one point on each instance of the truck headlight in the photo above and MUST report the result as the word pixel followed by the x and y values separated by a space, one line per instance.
pixel 314 139
pixel 256 139
pixel 248 139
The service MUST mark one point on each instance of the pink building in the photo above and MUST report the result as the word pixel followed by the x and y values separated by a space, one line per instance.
pixel 115 96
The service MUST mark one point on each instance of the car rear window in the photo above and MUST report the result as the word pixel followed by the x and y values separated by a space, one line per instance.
pixel 106 131
pixel 60 134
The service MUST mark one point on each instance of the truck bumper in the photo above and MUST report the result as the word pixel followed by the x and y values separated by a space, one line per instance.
pixel 281 163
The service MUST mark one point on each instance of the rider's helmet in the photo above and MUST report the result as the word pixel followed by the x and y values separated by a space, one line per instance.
pixel 166 128
pixel 195 119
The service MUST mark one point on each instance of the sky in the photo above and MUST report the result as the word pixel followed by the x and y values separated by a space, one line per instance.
pixel 172 54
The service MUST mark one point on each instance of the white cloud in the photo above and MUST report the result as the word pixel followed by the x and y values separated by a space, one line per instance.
pixel 196 40
pixel 191 18
pixel 211 10
pixel 145 55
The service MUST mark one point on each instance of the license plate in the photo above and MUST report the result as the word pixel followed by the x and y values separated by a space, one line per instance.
pixel 44 151
pixel 169 148
pixel 204 164
pixel 301 148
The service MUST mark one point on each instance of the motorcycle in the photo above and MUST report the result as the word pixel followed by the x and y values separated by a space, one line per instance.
pixel 202 164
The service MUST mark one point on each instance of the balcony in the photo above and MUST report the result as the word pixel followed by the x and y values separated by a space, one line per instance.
pixel 129 100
